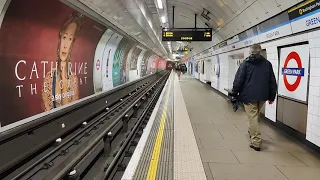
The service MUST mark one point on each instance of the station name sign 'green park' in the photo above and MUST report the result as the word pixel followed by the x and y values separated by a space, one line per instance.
pixel 179 34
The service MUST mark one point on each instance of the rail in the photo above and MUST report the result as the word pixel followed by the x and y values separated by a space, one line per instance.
pixel 86 125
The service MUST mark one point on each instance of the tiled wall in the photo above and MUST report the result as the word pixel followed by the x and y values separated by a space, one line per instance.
pixel 313 126
pixel 224 73
pixel 272 56
pixel 313 119
pixel 214 77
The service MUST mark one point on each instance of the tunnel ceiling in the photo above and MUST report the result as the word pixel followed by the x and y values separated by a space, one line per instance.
pixel 141 18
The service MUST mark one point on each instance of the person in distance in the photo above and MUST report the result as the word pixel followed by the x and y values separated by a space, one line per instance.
pixel 179 71
pixel 254 84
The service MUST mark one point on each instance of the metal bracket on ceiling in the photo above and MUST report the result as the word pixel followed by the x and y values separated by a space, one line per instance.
pixel 205 14
pixel 173 16
pixel 195 21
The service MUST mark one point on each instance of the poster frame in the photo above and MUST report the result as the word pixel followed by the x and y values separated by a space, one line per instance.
pixel 308 80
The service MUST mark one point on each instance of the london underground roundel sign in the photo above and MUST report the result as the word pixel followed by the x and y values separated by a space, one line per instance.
pixel 293 79
pixel 288 71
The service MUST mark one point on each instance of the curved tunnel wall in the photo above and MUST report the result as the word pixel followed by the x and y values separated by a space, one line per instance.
pixel 52 55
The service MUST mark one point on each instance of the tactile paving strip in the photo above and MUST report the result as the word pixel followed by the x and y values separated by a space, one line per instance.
pixel 187 160
pixel 165 164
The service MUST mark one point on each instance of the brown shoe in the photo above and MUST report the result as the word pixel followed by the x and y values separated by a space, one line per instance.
pixel 255 148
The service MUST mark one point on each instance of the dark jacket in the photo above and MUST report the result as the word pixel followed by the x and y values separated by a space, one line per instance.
pixel 255 80
pixel 181 67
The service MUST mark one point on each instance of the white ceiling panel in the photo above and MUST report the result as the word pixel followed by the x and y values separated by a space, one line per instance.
pixel 253 20
pixel 259 11
pixel 240 3
pixel 232 5
pixel 271 7
pixel 244 21
pixel 285 4
pixel 222 9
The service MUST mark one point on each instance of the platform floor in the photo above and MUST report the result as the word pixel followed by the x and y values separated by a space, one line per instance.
pixel 156 161
pixel 223 141
pixel 167 149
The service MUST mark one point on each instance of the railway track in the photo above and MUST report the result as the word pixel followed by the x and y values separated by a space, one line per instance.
pixel 95 145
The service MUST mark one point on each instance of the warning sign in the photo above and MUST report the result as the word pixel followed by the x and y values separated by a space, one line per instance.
pixel 294 68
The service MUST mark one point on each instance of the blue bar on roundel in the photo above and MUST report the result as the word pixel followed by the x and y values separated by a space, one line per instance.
pixel 293 71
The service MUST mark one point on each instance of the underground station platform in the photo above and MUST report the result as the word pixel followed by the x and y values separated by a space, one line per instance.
pixel 194 134
pixel 158 128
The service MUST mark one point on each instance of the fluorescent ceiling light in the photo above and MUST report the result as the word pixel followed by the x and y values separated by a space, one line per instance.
pixel 163 19
pixel 160 6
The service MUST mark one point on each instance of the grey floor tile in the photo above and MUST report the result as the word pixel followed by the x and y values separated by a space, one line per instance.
pixel 225 127
pixel 267 158
pixel 300 173
pixel 242 127
pixel 207 170
pixel 207 134
pixel 238 121
pixel 236 115
pixel 205 126
pixel 235 135
pixel 245 172
pixel 309 159
pixel 285 146
pixel 225 144
pixel 218 156
pixel 276 136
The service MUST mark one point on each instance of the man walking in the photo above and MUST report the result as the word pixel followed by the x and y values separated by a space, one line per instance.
pixel 255 84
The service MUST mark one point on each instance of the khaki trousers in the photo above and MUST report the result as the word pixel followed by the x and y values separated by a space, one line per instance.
pixel 253 111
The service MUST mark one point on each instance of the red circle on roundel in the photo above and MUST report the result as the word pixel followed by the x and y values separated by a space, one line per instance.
pixel 294 56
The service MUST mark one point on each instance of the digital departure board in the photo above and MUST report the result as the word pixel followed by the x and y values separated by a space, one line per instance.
pixel 187 34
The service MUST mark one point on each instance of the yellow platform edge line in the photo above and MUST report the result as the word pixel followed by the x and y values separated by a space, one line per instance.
pixel 153 166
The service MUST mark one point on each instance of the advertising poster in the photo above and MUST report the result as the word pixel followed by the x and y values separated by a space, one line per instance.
pixel 155 64
pixel 107 61
pixel 134 57
pixel 132 62
pixel 47 52
pixel 124 64
pixel 161 65
pixel 98 58
pixel 144 63
pixel 294 72
pixel 127 62
pixel 150 64
pixel 121 52
pixel 137 74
